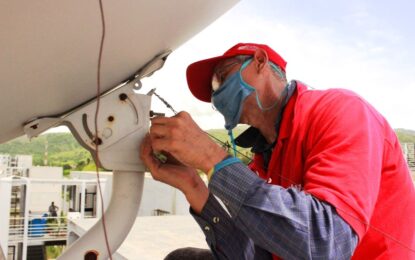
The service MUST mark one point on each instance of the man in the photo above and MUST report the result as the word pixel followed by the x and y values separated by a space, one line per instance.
pixel 328 180
pixel 53 210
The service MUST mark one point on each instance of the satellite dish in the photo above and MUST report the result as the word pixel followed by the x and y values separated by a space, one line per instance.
pixel 49 50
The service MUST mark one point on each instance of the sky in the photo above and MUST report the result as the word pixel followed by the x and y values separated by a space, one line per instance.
pixel 364 46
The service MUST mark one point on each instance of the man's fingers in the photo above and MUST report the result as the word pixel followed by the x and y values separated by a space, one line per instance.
pixel 145 147
pixel 178 119
pixel 146 154
pixel 172 160
pixel 159 131
pixel 163 145
pixel 161 120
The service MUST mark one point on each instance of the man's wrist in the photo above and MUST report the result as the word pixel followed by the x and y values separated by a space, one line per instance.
pixel 214 158
pixel 198 198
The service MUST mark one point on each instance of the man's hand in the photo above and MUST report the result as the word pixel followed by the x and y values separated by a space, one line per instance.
pixel 175 174
pixel 182 138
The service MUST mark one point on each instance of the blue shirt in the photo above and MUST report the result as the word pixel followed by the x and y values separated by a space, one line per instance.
pixel 258 219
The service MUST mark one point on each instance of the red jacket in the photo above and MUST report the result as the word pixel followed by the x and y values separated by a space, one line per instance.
pixel 342 151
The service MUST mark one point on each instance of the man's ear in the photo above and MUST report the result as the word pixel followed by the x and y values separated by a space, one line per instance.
pixel 260 59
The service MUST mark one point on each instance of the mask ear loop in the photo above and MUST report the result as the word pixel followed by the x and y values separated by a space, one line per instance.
pixel 277 69
pixel 244 65
pixel 230 133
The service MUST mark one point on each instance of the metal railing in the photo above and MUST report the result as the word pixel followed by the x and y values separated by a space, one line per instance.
pixel 409 151
pixel 39 229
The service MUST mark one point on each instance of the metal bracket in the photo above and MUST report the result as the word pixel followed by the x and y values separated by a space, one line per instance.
pixel 122 122
pixel 151 67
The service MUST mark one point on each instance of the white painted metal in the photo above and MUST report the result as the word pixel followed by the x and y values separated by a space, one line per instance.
pixel 5 194
pixel 26 217
pixel 119 217
pixel 48 66
pixel 49 50
pixel 64 198
pixel 119 136
pixel 53 231
pixel 83 188
pixel 54 181
pixel 2 254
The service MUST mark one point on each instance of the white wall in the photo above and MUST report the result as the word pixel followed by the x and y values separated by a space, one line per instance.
pixel 89 175
pixel 157 195
pixel 5 194
pixel 46 172
pixel 42 195
pixel 182 206
pixel 4 160
pixel 24 161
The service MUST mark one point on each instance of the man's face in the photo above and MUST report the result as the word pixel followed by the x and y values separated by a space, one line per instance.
pixel 254 74
pixel 223 70
pixel 230 89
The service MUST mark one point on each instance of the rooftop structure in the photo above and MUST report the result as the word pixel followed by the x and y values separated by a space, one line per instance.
pixel 409 154
pixel 151 237
pixel 27 227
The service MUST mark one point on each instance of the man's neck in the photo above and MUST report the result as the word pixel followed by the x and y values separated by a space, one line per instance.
pixel 269 118
pixel 267 128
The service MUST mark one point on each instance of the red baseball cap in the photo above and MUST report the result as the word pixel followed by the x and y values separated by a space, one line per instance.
pixel 199 74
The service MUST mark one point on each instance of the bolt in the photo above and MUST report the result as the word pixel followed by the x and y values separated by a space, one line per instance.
pixel 97 141
pixel 123 96
pixel 153 114
pixel 91 255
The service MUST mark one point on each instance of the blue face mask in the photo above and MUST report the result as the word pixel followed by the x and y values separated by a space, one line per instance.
pixel 229 98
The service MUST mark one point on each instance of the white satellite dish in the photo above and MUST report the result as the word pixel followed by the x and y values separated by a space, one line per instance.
pixel 49 50
pixel 48 66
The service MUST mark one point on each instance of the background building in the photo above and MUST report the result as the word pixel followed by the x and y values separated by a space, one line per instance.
pixel 26 192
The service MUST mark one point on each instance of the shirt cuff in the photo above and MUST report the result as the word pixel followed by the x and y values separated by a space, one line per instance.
pixel 216 225
pixel 204 220
pixel 232 183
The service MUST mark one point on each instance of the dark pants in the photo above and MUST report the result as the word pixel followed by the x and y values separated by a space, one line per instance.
pixel 190 253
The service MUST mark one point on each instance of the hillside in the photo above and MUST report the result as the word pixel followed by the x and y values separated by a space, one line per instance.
pixel 405 135
pixel 63 150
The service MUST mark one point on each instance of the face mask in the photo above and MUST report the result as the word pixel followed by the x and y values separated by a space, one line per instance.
pixel 229 98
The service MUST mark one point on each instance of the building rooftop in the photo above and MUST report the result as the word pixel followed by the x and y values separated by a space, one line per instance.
pixel 152 238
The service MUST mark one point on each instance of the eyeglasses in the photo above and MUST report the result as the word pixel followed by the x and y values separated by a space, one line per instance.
pixel 222 70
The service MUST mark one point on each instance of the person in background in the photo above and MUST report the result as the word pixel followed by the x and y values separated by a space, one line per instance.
pixel 53 210
pixel 328 179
